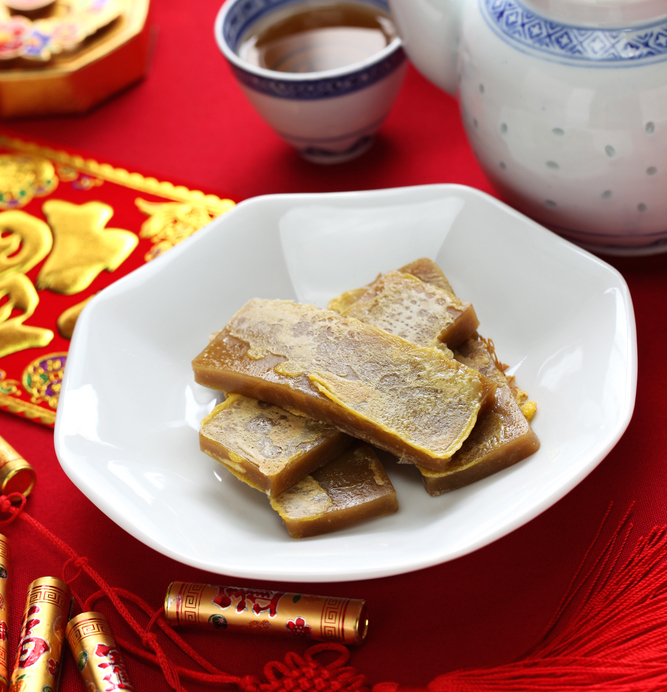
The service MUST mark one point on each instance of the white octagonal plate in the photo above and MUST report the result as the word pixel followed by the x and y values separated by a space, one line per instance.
pixel 129 412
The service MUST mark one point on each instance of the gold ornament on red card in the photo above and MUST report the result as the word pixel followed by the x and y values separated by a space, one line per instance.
pixel 68 228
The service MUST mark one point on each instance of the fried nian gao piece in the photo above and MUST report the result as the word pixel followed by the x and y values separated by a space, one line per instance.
pixel 501 437
pixel 429 272
pixel 266 446
pixel 344 300
pixel 424 269
pixel 411 401
pixel 351 488
pixel 270 448
pixel 415 310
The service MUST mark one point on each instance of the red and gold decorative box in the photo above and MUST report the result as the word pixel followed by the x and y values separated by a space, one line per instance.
pixel 68 228
pixel 70 55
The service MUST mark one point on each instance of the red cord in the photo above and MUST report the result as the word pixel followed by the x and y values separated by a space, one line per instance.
pixel 609 633
pixel 297 674
pixel 148 638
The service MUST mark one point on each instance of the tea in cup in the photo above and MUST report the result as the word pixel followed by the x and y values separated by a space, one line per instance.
pixel 323 74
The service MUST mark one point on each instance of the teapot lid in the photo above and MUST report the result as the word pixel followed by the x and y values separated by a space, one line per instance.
pixel 601 13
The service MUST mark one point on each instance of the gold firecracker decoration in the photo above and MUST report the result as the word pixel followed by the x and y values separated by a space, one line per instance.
pixel 58 248
pixel 38 658
pixel 16 476
pixel 260 611
pixel 96 654
pixel 5 555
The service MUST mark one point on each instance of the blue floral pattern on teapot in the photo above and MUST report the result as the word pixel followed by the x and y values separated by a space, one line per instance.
pixel 515 23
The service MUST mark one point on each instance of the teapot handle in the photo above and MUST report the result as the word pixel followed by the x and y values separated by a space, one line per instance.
pixel 429 31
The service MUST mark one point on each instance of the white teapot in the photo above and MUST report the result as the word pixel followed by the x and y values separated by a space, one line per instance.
pixel 565 106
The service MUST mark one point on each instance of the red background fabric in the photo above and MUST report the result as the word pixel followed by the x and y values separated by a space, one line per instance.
pixel 188 122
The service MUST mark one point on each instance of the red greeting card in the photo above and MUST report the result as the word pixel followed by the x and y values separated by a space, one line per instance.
pixel 70 226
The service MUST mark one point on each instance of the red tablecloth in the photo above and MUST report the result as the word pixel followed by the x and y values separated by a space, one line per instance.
pixel 188 122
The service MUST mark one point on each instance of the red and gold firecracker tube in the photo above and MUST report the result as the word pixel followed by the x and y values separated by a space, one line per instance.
pixel 16 474
pixel 96 654
pixel 38 659
pixel 4 615
pixel 236 609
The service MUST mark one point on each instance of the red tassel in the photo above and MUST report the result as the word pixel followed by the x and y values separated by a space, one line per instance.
pixel 608 635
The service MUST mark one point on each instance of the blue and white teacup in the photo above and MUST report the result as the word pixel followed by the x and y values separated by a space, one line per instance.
pixel 329 116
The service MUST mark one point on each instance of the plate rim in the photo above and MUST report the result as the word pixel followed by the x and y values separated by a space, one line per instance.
pixel 367 571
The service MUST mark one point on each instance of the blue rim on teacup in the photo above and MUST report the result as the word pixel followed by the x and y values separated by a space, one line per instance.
pixel 233 21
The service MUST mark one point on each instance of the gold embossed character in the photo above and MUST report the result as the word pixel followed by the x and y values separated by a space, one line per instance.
pixel 83 247
pixel 67 318
pixel 23 177
pixel 24 241
pixel 14 334
pixel 169 223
